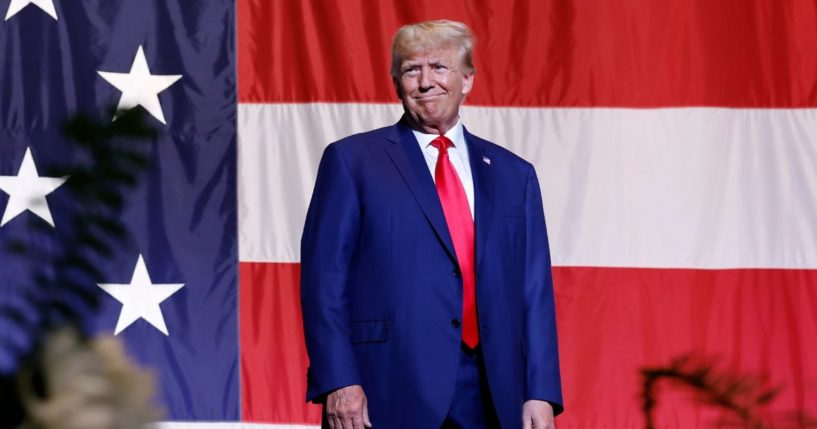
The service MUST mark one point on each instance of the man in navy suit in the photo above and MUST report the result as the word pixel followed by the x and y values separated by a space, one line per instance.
pixel 426 286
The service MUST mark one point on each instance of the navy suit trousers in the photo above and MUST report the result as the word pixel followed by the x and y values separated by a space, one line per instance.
pixel 472 407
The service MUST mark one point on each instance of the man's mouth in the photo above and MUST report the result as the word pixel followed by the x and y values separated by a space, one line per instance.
pixel 428 97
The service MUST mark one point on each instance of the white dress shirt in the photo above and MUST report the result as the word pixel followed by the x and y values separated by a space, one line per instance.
pixel 457 154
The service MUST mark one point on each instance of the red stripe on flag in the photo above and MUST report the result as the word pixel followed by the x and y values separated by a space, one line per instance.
pixel 635 53
pixel 273 355
pixel 615 321
pixel 612 322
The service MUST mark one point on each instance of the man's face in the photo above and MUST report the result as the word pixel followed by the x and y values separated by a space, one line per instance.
pixel 432 85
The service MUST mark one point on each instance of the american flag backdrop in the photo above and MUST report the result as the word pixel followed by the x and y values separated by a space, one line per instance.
pixel 675 142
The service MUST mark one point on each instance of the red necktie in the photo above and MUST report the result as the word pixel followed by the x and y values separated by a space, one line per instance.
pixel 461 226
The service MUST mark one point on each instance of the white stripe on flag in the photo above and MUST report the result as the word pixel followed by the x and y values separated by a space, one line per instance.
pixel 676 187
pixel 280 146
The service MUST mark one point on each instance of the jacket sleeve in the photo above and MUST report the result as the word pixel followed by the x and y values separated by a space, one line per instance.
pixel 327 248
pixel 543 376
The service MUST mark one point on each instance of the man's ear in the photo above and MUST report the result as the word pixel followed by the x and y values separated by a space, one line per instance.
pixel 468 82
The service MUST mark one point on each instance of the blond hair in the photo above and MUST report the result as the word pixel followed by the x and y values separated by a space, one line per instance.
pixel 430 35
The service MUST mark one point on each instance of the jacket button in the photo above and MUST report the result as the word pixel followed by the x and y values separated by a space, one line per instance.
pixel 455 323
pixel 457 273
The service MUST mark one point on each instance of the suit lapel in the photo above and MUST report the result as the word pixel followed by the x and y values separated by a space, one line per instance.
pixel 406 155
pixel 483 174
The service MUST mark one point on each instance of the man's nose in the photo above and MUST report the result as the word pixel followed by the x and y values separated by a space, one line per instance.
pixel 426 80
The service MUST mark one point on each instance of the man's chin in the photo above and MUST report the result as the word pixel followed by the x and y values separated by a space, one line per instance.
pixel 437 125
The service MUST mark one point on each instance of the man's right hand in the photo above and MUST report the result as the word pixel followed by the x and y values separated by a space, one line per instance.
pixel 346 408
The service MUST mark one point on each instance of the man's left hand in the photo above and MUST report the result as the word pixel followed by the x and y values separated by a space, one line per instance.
pixel 537 415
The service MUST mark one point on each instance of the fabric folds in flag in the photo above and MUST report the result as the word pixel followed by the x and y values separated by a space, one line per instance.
pixel 171 276
pixel 674 147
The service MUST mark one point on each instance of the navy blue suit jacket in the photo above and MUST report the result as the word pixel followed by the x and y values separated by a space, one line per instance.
pixel 380 285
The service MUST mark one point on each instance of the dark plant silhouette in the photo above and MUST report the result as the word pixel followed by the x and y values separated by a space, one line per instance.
pixel 743 397
pixel 59 288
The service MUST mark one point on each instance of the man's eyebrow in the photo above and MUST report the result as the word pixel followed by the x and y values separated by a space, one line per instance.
pixel 432 61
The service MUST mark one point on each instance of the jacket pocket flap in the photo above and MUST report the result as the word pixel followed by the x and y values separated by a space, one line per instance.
pixel 370 331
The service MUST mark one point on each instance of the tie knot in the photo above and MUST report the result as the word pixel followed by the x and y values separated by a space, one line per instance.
pixel 442 143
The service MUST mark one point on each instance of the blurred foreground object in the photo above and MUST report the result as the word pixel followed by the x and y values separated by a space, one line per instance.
pixel 52 372
pixel 50 275
pixel 744 398
pixel 77 384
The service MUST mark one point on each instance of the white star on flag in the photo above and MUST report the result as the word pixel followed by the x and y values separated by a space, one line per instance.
pixel 27 191
pixel 141 298
pixel 18 5
pixel 139 87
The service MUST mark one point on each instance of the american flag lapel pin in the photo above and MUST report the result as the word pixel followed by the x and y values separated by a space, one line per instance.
pixel 486 160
